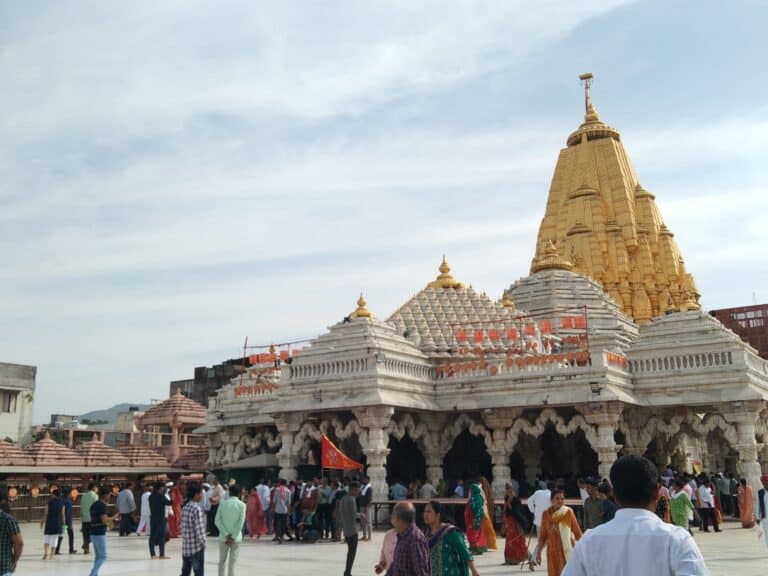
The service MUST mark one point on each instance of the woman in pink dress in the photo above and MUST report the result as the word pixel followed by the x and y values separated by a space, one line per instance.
pixel 254 516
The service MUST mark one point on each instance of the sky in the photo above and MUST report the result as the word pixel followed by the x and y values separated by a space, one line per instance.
pixel 178 175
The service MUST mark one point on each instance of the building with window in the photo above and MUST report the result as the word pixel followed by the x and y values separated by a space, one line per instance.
pixel 17 393
pixel 749 322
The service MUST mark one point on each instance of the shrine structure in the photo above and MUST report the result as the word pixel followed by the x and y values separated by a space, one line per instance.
pixel 602 350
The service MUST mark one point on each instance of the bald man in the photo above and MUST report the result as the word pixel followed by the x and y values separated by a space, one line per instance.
pixel 412 550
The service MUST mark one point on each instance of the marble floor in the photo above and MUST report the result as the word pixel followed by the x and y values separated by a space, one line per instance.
pixel 734 551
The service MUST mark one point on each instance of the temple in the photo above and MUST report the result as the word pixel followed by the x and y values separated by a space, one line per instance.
pixel 602 350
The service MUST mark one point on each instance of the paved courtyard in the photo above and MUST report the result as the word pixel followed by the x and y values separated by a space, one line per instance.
pixel 734 552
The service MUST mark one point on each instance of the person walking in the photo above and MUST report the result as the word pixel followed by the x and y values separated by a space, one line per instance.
pixel 215 496
pixel 348 513
pixel 539 501
pixel 52 524
pixel 364 505
pixel 515 527
pixel 707 506
pixel 264 492
pixel 559 533
pixel 86 501
pixel 412 556
pixel 68 524
pixel 680 506
pixel 126 506
pixel 281 506
pixel 144 512
pixel 448 548
pixel 98 533
pixel 637 542
pixel 255 516
pixel 593 506
pixel 761 508
pixel 11 540
pixel 158 525
pixel 746 504
pixel 193 533
pixel 230 518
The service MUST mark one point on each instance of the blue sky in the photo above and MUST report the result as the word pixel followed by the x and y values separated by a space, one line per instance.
pixel 175 176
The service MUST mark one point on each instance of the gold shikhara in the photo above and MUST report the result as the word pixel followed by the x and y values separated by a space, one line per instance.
pixel 604 224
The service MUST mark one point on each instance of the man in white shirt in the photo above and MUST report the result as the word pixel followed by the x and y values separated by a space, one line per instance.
pixel 144 521
pixel 537 503
pixel 262 489
pixel 761 508
pixel 707 506
pixel 636 542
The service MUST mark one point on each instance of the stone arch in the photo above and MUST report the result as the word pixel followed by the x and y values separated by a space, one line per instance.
pixel 310 432
pixel 550 416
pixel 406 460
pixel 465 422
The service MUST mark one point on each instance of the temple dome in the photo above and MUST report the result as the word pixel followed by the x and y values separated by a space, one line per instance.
pixel 431 317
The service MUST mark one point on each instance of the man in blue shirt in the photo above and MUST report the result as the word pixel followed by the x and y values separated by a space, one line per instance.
pixel 68 523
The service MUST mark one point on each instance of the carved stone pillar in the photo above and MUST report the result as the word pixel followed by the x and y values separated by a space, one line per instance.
pixel 287 426
pixel 376 421
pixel 433 450
pixel 605 417
pixel 498 421
pixel 745 417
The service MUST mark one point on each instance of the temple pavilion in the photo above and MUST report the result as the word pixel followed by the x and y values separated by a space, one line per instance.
pixel 602 350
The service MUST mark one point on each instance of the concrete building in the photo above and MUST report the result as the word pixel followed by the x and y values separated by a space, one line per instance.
pixel 602 350
pixel 17 395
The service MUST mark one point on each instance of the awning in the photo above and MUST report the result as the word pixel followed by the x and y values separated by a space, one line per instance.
pixel 257 461
pixel 207 429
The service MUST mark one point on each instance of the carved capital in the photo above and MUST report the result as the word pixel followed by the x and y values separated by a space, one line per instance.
pixel 501 418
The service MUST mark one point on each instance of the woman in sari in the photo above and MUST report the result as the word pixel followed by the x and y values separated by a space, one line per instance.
pixel 474 512
pixel 515 527
pixel 488 529
pixel 449 554
pixel 746 504
pixel 254 516
pixel 559 532
pixel 174 519
pixel 662 504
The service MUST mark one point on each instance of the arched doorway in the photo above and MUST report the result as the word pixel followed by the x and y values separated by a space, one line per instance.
pixel 569 456
pixel 467 458
pixel 405 462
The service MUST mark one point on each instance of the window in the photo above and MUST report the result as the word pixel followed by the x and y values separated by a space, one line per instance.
pixel 8 400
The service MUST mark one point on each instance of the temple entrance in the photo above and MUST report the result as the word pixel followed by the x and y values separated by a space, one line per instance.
pixel 467 458
pixel 405 461
pixel 566 457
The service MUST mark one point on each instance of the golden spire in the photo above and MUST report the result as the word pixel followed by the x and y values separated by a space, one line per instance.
pixel 551 260
pixel 507 302
pixel 362 311
pixel 445 279
pixel 608 226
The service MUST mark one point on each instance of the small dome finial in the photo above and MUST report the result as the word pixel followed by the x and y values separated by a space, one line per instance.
pixel 361 311
pixel 445 279
pixel 551 260
pixel 507 302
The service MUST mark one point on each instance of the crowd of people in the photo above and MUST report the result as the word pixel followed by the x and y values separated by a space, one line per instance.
pixel 656 511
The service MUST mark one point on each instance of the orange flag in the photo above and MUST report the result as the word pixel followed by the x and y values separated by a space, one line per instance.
pixel 333 458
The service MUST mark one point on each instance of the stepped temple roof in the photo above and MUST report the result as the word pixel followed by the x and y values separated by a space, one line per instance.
pixel 12 455
pixel 141 456
pixel 609 227
pixel 177 408
pixel 48 452
pixel 95 453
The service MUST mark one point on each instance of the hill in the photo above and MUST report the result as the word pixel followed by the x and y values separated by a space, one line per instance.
pixel 110 414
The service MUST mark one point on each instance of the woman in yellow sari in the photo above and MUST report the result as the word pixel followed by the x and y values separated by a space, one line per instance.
pixel 746 504
pixel 559 532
